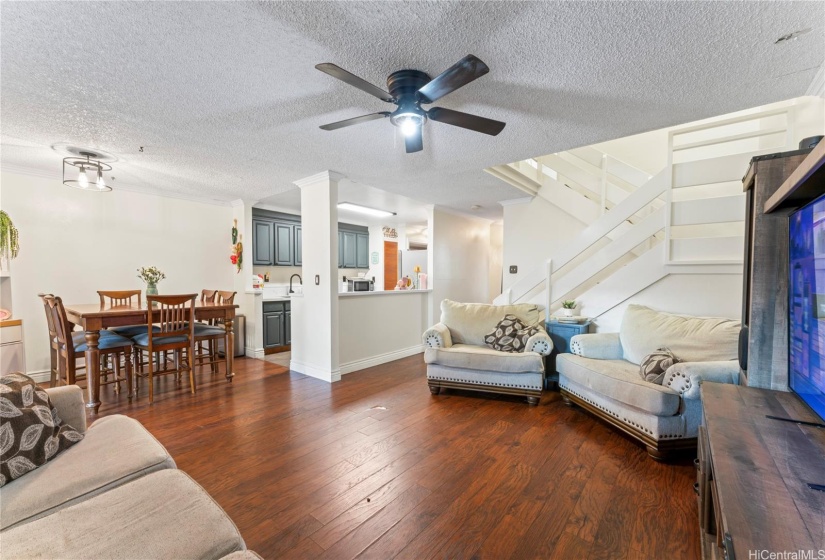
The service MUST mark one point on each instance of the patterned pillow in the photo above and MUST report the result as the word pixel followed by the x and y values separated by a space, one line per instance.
pixel 503 337
pixel 31 432
pixel 655 364
pixel 522 336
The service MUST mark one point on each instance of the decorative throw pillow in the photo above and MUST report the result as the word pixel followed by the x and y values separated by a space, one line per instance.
pixel 503 336
pixel 655 364
pixel 31 432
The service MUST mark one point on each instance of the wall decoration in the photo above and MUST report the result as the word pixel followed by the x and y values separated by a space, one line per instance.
pixel 234 231
pixel 236 257
pixel 389 233
pixel 374 257
pixel 9 239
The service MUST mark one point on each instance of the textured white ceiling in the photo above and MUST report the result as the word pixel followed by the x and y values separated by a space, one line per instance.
pixel 225 98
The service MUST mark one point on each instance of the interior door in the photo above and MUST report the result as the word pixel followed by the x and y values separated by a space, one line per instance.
pixel 390 264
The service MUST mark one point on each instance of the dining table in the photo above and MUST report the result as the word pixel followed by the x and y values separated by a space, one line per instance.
pixel 95 317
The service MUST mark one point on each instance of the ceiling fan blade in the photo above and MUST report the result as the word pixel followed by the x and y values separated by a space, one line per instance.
pixel 353 80
pixel 466 120
pixel 355 120
pixel 415 142
pixel 459 74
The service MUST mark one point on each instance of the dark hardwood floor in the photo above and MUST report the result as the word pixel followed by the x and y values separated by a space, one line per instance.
pixel 376 467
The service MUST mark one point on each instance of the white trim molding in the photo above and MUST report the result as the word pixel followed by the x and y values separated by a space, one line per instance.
pixel 379 359
pixel 319 177
pixel 316 372
pixel 514 201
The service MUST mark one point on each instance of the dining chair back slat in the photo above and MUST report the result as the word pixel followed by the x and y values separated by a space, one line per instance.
pixel 225 298
pixel 119 297
pixel 208 295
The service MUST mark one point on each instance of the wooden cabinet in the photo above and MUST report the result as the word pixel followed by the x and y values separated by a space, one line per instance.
pixel 277 325
pixel 560 334
pixel 262 246
pixel 353 250
pixel 754 473
pixel 765 290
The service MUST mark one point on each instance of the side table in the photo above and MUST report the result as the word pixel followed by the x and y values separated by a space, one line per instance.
pixel 560 333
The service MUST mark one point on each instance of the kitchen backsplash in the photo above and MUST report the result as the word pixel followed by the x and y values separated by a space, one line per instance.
pixel 281 274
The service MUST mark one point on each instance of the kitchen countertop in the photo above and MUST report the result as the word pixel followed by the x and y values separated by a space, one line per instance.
pixel 383 293
pixel 277 298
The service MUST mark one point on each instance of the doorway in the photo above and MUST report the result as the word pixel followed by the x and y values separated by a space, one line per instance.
pixel 390 264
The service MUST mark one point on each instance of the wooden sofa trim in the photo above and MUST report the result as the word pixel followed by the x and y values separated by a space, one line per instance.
pixel 658 450
pixel 533 395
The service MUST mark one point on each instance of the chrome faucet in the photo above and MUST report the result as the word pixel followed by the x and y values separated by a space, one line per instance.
pixel 300 281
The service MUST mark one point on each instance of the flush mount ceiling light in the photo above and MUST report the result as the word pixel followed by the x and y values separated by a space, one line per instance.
pixel 85 172
pixel 365 210
pixel 791 36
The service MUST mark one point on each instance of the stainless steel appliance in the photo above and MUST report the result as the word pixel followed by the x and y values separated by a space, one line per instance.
pixel 360 285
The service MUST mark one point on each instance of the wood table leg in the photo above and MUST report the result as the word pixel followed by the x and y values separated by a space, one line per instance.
pixel 93 370
pixel 229 349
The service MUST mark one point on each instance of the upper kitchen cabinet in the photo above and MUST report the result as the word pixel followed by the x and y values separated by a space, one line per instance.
pixel 362 250
pixel 262 247
pixel 350 257
pixel 297 248
pixel 284 254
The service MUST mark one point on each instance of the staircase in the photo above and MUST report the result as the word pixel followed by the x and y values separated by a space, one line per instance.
pixel 686 219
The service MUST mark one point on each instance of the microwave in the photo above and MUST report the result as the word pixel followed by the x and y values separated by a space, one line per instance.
pixel 360 285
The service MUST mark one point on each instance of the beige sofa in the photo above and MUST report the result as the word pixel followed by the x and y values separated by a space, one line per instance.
pixel 115 494
pixel 457 357
pixel 602 374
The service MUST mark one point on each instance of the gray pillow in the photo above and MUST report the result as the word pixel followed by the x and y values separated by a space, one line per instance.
pixel 655 364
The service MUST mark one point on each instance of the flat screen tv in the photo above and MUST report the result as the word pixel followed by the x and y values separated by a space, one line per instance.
pixel 807 304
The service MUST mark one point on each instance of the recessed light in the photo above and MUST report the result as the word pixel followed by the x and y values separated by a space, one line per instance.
pixel 365 210
pixel 792 36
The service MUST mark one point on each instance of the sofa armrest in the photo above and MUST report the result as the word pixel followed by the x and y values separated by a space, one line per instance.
pixel 599 346
pixel 540 343
pixel 68 401
pixel 437 336
pixel 685 377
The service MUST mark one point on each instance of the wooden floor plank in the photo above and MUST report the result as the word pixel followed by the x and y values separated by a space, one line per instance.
pixel 293 460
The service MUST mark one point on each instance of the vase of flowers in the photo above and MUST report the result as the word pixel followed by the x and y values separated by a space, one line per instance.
pixel 151 276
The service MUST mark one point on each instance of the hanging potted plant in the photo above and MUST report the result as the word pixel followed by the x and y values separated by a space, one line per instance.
pixel 568 307
pixel 151 276
pixel 9 240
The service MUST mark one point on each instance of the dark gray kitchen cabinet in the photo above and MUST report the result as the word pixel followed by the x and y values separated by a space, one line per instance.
pixel 340 249
pixel 297 251
pixel 350 250
pixel 262 248
pixel 277 324
pixel 362 250
pixel 283 244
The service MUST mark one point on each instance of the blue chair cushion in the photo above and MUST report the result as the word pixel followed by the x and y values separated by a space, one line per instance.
pixel 131 331
pixel 143 339
pixel 104 343
pixel 202 329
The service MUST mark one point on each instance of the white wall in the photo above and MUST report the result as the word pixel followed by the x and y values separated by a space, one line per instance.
pixel 398 321
pixel 73 243
pixel 496 256
pixel 704 295
pixel 460 250
pixel 533 232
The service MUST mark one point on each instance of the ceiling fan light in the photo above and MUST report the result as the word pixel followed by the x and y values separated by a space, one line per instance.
pixel 408 127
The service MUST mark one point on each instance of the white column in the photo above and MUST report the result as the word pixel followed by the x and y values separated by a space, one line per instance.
pixel 249 302
pixel 315 313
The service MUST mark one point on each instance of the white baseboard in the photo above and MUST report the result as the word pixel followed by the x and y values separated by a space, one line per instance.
pixel 316 372
pixel 253 353
pixel 365 363
pixel 41 376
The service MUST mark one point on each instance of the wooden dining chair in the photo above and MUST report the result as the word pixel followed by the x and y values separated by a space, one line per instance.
pixel 72 346
pixel 174 317
pixel 210 333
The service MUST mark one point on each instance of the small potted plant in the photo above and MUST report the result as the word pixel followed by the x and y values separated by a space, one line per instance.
pixel 568 307
pixel 9 239
pixel 151 275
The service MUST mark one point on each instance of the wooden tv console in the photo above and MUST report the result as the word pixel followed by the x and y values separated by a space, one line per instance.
pixel 754 473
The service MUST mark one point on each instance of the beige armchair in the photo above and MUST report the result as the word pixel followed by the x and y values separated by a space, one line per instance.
pixel 457 357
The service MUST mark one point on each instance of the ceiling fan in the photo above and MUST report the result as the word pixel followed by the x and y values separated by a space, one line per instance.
pixel 409 89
